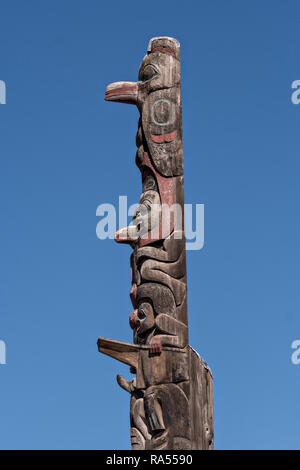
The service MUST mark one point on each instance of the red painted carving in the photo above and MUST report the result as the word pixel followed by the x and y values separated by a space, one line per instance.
pixel 164 138
pixel 126 92
pixel 164 50
pixel 133 319
pixel 167 194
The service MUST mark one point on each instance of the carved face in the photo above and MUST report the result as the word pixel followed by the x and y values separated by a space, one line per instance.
pixel 159 70
pixel 147 214
pixel 159 138
pixel 157 96
pixel 146 219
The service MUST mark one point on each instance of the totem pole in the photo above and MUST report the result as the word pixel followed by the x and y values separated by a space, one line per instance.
pixel 171 404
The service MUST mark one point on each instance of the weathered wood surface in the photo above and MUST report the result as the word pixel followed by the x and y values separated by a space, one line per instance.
pixel 201 403
pixel 171 394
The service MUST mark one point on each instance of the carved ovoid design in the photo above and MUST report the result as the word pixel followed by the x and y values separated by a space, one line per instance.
pixel 171 403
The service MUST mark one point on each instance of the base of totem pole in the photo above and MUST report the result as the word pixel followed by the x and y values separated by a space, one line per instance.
pixel 201 403
pixel 171 406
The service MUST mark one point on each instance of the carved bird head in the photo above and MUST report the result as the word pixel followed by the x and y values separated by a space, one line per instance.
pixel 158 98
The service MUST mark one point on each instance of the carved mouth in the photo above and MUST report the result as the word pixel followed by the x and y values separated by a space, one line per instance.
pixel 122 92
pixel 163 138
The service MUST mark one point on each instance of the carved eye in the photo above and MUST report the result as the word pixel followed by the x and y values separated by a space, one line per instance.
pixel 141 314
pixel 147 73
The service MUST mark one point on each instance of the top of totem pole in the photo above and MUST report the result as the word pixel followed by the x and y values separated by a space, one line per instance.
pixel 166 45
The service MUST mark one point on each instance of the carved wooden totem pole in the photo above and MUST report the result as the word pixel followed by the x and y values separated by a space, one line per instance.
pixel 171 403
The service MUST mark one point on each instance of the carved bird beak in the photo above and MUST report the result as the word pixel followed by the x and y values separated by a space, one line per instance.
pixel 126 235
pixel 122 92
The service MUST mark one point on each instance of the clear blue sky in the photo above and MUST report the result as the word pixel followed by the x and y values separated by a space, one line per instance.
pixel 64 151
